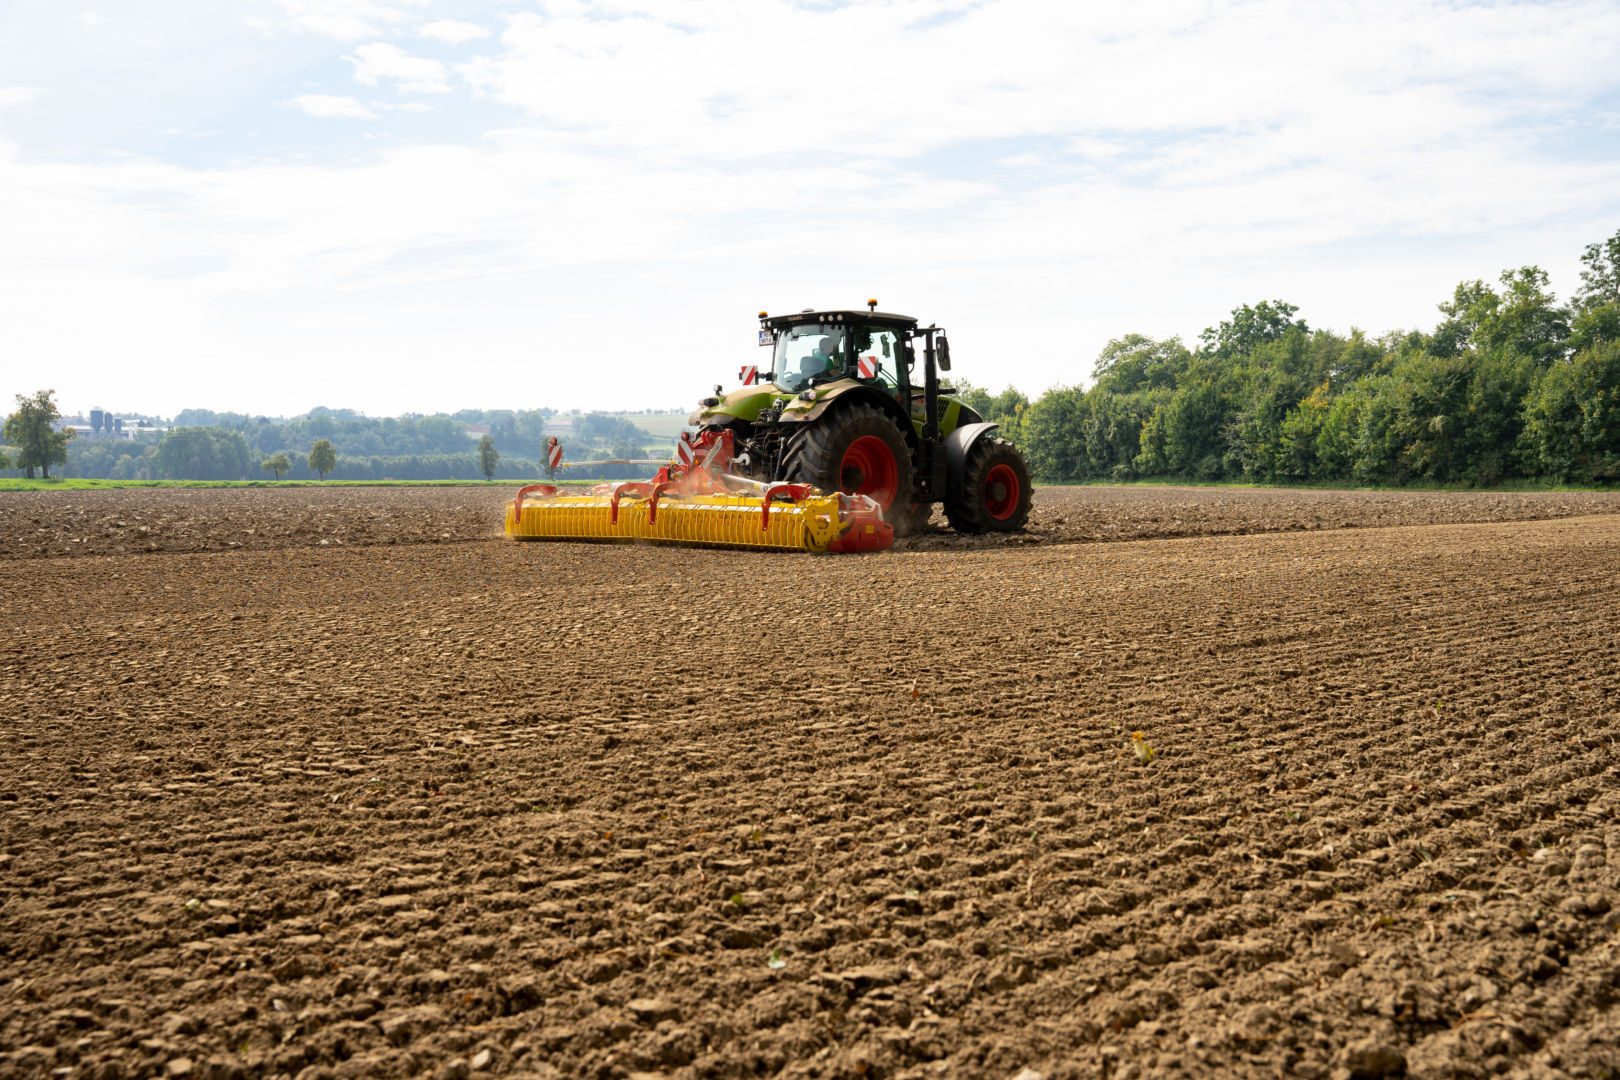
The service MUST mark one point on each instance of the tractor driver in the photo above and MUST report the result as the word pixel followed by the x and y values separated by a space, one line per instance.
pixel 823 359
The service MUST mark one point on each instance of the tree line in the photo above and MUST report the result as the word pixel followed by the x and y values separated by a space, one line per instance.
pixel 208 445
pixel 513 431
pixel 1511 384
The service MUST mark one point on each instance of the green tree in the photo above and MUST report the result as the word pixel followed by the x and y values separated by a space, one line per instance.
pixel 5 461
pixel 1375 408
pixel 322 458
pixel 1006 408
pixel 1111 426
pixel 974 397
pixel 488 457
pixel 1531 321
pixel 1493 417
pixel 1137 362
pixel 1471 304
pixel 1250 327
pixel 1193 424
pixel 1300 430
pixel 30 430
pixel 1595 324
pixel 1600 274
pixel 1597 303
pixel 1429 421
pixel 1052 434
pixel 130 467
pixel 203 453
pixel 1338 437
pixel 1265 395
pixel 1572 418
pixel 277 463
pixel 1153 457
pixel 1525 317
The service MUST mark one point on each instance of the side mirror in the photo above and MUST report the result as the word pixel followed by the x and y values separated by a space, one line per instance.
pixel 942 352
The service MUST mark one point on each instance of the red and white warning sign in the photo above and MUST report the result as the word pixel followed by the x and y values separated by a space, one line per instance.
pixel 553 452
pixel 749 374
pixel 867 366
pixel 683 449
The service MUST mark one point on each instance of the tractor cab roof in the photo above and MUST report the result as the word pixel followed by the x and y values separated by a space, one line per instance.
pixel 906 322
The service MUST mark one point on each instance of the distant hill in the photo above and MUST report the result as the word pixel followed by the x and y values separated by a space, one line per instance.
pixel 665 427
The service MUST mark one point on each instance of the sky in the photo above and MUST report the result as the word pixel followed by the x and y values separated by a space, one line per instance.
pixel 422 205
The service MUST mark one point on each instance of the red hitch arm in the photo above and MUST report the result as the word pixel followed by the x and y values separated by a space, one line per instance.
pixel 795 492
pixel 517 503
pixel 633 487
pixel 652 499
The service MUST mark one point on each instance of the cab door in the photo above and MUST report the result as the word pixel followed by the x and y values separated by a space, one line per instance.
pixel 880 360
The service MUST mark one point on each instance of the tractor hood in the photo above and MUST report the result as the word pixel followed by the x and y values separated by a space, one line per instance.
pixel 744 403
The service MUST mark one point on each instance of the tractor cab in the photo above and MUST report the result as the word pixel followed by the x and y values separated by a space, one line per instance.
pixel 813 348
pixel 817 356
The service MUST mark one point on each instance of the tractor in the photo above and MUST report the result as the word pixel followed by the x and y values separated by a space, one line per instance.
pixel 852 402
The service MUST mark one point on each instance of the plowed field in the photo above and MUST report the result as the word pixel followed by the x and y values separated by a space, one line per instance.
pixel 53 524
pixel 568 810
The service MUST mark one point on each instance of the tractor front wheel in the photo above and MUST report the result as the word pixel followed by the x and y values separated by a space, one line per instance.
pixel 995 489
pixel 857 450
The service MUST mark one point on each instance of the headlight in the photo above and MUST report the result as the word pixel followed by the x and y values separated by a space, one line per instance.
pixel 709 402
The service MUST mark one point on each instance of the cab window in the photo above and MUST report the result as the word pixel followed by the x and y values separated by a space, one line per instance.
pixel 880 352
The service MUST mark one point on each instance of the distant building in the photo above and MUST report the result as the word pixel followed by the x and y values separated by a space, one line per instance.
pixel 88 431
pixel 111 427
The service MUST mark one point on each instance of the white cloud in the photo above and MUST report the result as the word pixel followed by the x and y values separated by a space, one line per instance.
pixel 328 106
pixel 453 31
pixel 379 62
pixel 349 20
pixel 695 76
pixel 1095 170
pixel 18 95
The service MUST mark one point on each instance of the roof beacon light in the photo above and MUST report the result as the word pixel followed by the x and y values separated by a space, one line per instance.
pixel 871 305
pixel 764 315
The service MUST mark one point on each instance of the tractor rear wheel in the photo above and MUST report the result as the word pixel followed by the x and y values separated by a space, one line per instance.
pixel 857 450
pixel 995 489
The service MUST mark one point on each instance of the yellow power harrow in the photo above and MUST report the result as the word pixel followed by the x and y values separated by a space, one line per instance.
pixel 702 506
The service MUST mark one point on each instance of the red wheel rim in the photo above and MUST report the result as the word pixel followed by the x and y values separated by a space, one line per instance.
pixel 869 469
pixel 1001 492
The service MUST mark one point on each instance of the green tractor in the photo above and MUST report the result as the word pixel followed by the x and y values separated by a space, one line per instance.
pixel 852 402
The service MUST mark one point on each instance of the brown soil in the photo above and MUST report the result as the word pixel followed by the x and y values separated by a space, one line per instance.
pixel 42 524
pixel 576 810
pixel 51 524
pixel 1068 515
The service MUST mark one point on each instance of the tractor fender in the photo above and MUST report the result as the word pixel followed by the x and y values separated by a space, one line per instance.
pixel 958 444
